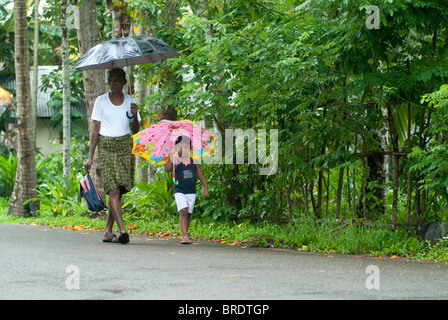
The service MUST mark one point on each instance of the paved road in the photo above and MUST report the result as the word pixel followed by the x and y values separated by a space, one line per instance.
pixel 46 263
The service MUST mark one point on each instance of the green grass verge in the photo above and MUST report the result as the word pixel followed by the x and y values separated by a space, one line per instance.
pixel 314 236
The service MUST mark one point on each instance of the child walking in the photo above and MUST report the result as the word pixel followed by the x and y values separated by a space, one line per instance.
pixel 186 173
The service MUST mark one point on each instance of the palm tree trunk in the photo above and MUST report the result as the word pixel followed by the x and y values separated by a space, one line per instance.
pixel 26 176
pixel 36 54
pixel 65 93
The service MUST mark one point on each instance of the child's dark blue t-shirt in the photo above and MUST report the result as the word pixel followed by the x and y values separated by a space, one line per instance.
pixel 186 175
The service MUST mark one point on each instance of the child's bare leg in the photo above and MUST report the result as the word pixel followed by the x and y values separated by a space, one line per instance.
pixel 184 219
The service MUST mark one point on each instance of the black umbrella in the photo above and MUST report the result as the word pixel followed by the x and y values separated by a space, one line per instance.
pixel 125 52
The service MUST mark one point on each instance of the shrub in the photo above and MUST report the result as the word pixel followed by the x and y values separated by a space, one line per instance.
pixel 8 167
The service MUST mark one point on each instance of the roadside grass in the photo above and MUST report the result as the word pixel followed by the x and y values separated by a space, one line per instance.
pixel 323 236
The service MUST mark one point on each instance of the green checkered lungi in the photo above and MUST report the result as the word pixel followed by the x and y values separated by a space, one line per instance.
pixel 114 157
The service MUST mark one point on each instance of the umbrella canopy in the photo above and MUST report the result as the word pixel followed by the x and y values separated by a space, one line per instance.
pixel 155 143
pixel 5 97
pixel 129 51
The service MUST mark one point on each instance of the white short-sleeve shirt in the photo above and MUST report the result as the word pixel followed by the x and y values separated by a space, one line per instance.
pixel 114 121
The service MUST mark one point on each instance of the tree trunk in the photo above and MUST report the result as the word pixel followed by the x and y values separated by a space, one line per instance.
pixel 141 164
pixel 26 175
pixel 65 93
pixel 364 187
pixel 319 191
pixel 141 89
pixel 327 197
pixel 339 192
pixel 377 173
pixel 169 18
pixel 313 202
pixel 94 80
pixel 396 162
pixel 36 55
pixel 304 189
pixel 349 191
pixel 122 21
pixel 288 200
pixel 354 193
pixel 152 170
pixel 408 204
pixel 419 203
pixel 168 113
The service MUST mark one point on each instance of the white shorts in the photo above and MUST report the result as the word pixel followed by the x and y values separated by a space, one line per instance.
pixel 185 201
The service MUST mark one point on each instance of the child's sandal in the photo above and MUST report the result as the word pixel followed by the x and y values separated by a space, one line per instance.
pixel 185 240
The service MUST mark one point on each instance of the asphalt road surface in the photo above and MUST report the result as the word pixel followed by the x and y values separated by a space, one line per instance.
pixel 47 263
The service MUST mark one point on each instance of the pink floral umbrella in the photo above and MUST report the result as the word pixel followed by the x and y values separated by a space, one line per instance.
pixel 155 143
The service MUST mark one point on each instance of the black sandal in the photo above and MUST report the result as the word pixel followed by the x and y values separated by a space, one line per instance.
pixel 112 239
pixel 185 240
pixel 123 238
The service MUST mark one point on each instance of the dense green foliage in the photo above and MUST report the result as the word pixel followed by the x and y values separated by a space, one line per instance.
pixel 346 99
pixel 360 113
pixel 150 209
pixel 52 83
pixel 8 166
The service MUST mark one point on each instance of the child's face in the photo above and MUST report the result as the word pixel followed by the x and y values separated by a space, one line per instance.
pixel 181 146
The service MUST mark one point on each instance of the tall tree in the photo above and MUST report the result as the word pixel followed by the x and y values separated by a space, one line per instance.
pixel 161 19
pixel 26 176
pixel 65 93
pixel 36 54
pixel 122 20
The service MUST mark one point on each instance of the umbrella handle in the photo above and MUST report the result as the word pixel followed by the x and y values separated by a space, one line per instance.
pixel 176 182
pixel 129 116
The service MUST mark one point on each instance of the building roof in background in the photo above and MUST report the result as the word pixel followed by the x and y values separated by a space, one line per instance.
pixel 43 98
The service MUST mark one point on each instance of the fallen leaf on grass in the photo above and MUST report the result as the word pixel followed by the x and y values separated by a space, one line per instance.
pixel 164 234
pixel 73 228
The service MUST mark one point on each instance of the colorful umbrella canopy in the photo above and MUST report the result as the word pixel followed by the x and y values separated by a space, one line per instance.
pixel 155 143
pixel 5 97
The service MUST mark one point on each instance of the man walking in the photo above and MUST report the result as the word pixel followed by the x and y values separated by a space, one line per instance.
pixel 115 115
